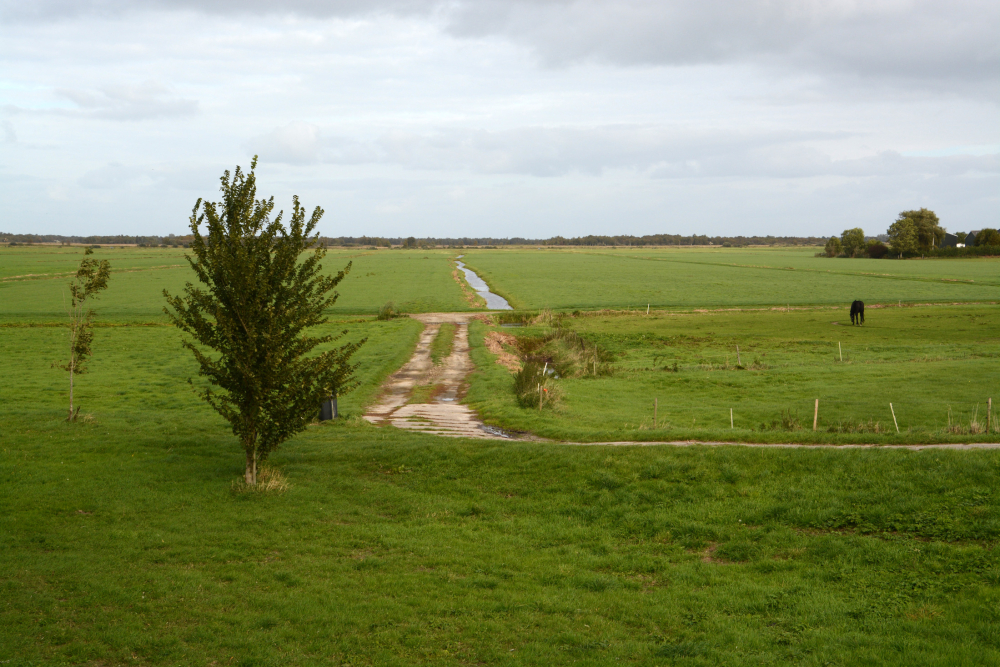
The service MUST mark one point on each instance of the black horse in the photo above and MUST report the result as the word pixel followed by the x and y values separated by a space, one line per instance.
pixel 858 313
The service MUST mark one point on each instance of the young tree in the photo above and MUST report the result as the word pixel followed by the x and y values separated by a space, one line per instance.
pixel 853 241
pixel 832 247
pixel 262 289
pixel 91 278
pixel 903 236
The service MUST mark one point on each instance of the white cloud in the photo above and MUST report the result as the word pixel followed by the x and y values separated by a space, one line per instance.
pixel 115 102
pixel 295 143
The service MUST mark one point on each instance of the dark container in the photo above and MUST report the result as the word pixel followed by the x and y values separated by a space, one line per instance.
pixel 328 409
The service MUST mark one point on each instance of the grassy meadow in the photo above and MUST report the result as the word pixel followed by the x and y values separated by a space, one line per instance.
pixel 33 281
pixel 126 542
pixel 926 361
pixel 569 279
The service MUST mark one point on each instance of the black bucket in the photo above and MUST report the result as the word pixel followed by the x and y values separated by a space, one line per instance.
pixel 328 409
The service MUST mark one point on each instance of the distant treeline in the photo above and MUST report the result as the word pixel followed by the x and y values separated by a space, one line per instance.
pixel 649 240
pixel 119 239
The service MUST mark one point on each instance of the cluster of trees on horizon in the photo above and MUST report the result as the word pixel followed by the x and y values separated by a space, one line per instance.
pixel 379 241
pixel 913 233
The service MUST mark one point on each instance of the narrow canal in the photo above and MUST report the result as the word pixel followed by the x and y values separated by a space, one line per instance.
pixel 493 301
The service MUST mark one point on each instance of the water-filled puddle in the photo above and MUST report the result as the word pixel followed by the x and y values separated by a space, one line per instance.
pixel 493 301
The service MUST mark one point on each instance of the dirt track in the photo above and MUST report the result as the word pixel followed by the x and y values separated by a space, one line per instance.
pixel 446 416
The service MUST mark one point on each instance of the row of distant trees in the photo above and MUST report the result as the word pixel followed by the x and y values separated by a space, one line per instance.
pixel 172 240
pixel 912 232
pixel 117 239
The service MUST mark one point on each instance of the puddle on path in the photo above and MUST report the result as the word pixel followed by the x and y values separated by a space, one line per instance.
pixel 493 301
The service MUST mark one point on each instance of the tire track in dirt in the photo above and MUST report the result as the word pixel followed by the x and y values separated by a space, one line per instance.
pixel 444 415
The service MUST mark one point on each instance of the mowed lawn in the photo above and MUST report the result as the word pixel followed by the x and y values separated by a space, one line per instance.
pixel 569 279
pixel 33 281
pixel 124 543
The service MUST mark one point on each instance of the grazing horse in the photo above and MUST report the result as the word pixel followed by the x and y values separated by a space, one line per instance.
pixel 858 313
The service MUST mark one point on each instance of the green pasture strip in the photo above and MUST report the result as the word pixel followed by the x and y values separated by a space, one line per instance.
pixel 577 279
pixel 144 370
pixel 443 342
pixel 925 361
pixel 19 263
pixel 978 270
pixel 123 544
pixel 417 281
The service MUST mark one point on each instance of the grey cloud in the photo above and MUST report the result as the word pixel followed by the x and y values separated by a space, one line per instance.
pixel 660 152
pixel 53 10
pixel 544 151
pixel 889 39
pixel 941 43
pixel 9 136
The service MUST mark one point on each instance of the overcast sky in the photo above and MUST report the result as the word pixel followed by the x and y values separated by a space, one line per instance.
pixel 503 117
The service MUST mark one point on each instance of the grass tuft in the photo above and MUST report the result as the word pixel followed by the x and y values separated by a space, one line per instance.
pixel 443 342
pixel 270 480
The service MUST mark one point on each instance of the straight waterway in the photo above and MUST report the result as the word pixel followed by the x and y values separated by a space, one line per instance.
pixel 493 301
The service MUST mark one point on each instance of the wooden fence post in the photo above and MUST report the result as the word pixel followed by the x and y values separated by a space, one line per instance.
pixel 894 418
pixel 730 418
pixel 738 361
pixel 816 415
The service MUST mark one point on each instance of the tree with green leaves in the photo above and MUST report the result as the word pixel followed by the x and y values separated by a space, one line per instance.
pixel 853 241
pixel 903 236
pixel 262 289
pixel 832 247
pixel 988 237
pixel 91 278
pixel 926 226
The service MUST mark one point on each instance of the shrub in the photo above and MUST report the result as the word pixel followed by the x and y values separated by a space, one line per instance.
pixel 567 353
pixel 832 247
pixel 876 249
pixel 388 311
pixel 531 384
pixel 787 422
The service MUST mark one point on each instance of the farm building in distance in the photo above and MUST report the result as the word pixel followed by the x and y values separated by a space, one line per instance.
pixel 950 241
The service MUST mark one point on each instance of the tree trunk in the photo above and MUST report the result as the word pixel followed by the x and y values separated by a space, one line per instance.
pixel 251 472
pixel 72 367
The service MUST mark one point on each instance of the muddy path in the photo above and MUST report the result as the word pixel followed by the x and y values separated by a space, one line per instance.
pixel 444 414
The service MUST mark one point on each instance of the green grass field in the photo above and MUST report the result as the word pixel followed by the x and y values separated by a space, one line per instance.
pixel 923 360
pixel 702 278
pixel 33 281
pixel 125 543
